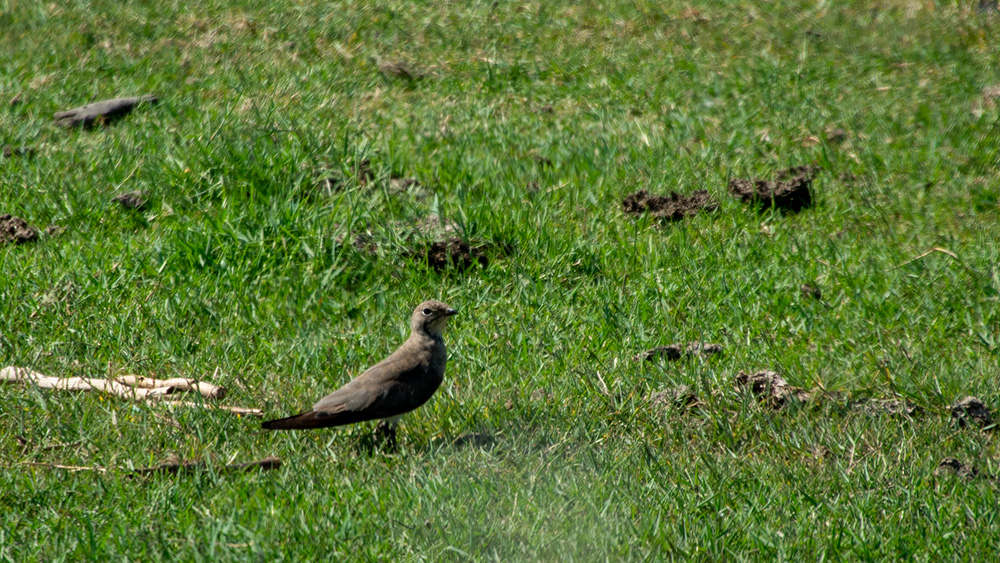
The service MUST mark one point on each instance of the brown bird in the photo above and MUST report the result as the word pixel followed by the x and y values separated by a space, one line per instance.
pixel 395 386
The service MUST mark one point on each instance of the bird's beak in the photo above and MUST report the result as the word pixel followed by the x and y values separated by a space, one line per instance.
pixel 451 312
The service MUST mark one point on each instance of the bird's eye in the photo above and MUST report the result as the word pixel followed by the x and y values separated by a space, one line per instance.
pixel 426 312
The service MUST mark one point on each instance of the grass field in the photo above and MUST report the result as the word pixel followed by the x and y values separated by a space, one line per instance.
pixel 530 125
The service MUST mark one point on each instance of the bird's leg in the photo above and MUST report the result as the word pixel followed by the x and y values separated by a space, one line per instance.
pixel 386 431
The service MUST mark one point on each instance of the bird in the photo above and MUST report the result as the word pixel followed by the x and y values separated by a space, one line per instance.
pixel 391 388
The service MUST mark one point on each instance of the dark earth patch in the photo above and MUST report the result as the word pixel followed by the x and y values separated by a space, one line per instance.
pixel 809 290
pixel 454 251
pixel 131 200
pixel 16 230
pixel 100 113
pixel 790 191
pixel 836 135
pixel 971 408
pixel 677 351
pixel 672 207
pixel 951 466
pixel 402 70
pixel 770 388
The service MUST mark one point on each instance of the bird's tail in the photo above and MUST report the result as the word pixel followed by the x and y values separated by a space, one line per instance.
pixel 310 419
pixel 288 423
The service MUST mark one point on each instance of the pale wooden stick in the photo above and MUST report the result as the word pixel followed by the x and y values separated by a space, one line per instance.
pixel 242 411
pixel 926 254
pixel 22 375
pixel 206 389
pixel 66 467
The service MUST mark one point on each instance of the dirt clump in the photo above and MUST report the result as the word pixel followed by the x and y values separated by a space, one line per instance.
pixel 836 135
pixel 673 207
pixel 16 230
pixel 809 290
pixel 399 69
pixel 951 466
pixel 454 251
pixel 791 191
pixel 971 408
pixel 677 351
pixel 770 388
pixel 131 200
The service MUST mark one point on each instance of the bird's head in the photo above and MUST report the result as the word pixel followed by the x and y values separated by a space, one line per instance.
pixel 430 317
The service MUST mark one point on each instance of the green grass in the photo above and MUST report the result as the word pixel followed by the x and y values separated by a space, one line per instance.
pixel 235 273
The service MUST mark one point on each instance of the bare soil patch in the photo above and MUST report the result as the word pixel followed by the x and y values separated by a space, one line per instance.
pixel 677 351
pixel 400 69
pixel 453 251
pixel 132 200
pixel 810 291
pixel 951 466
pixel 835 135
pixel 791 191
pixel 971 409
pixel 770 388
pixel 14 230
pixel 671 208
